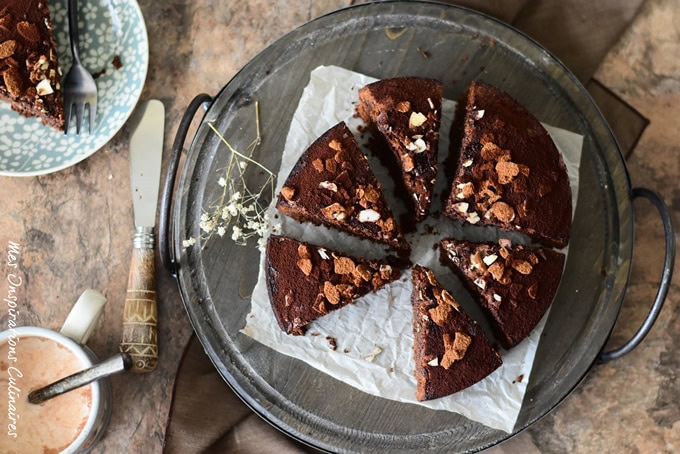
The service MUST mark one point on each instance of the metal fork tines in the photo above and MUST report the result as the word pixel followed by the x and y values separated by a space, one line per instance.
pixel 79 87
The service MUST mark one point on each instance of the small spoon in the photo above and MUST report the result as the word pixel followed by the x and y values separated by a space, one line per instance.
pixel 113 365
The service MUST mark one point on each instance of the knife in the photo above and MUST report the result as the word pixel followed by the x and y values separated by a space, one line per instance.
pixel 140 336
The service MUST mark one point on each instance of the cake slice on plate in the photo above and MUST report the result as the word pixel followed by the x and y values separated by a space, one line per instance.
pixel 306 282
pixel 332 184
pixel 514 284
pixel 450 350
pixel 28 62
pixel 509 173
pixel 406 111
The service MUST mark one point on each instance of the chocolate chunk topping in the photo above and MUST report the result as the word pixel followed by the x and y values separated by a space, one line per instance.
pixel 28 31
pixel 454 349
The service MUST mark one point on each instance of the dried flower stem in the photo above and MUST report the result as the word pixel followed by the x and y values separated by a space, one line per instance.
pixel 238 207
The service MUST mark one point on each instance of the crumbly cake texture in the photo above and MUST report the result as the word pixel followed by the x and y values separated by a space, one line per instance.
pixel 451 351
pixel 332 184
pixel 406 111
pixel 514 284
pixel 509 172
pixel 306 282
pixel 28 62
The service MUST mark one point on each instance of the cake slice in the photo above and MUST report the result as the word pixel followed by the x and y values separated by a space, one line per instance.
pixel 332 184
pixel 514 284
pixel 406 111
pixel 28 62
pixel 509 172
pixel 306 282
pixel 450 350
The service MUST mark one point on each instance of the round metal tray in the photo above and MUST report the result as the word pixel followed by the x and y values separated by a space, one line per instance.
pixel 454 45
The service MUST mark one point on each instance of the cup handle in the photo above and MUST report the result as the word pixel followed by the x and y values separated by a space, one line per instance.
pixel 84 316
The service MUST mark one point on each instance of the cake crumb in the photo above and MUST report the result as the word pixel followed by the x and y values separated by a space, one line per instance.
pixel 116 62
pixel 98 74
pixel 518 379
pixel 331 341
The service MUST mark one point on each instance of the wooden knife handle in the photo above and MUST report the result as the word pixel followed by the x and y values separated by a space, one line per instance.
pixel 140 337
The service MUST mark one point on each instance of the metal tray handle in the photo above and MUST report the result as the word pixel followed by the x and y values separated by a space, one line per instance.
pixel 164 224
pixel 666 276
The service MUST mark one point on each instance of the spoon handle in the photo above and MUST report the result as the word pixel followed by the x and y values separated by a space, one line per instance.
pixel 115 364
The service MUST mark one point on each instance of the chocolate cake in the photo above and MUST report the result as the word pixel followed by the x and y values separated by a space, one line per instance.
pixel 28 62
pixel 515 284
pixel 332 184
pixel 450 350
pixel 406 111
pixel 509 172
pixel 306 282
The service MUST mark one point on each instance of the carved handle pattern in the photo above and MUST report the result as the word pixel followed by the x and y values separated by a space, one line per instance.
pixel 140 336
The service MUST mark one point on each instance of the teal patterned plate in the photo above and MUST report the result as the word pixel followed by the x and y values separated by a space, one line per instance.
pixel 108 28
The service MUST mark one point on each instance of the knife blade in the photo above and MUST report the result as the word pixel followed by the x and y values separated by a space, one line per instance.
pixel 140 316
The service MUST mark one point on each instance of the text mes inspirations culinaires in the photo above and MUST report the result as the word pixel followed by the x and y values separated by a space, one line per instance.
pixel 14 281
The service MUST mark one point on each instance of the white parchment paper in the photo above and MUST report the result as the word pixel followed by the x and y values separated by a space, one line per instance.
pixel 374 336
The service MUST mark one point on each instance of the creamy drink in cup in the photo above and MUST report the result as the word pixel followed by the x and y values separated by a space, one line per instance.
pixel 32 357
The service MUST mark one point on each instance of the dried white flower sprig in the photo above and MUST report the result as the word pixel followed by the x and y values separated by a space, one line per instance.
pixel 239 211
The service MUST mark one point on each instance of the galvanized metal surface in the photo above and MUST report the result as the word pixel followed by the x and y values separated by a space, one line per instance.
pixel 385 40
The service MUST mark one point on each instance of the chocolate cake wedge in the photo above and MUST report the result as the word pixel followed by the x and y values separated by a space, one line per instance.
pixel 306 282
pixel 406 111
pixel 509 172
pixel 29 68
pixel 332 184
pixel 515 284
pixel 451 351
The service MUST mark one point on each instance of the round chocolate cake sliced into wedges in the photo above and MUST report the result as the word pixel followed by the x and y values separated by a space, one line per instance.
pixel 450 349
pixel 332 184
pixel 406 111
pixel 509 172
pixel 306 282
pixel 514 284
pixel 29 68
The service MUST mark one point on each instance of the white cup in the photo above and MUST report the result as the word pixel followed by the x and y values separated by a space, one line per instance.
pixel 74 333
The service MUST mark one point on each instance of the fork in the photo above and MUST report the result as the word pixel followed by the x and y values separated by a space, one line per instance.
pixel 79 87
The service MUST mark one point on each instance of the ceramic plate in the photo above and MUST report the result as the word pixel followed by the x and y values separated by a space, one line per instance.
pixel 108 28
